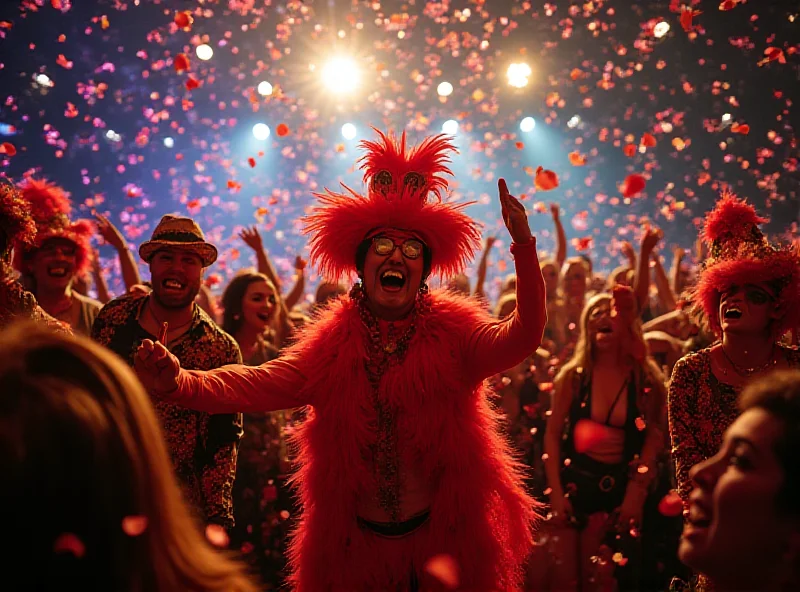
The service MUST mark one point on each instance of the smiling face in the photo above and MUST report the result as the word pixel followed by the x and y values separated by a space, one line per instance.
pixel 575 279
pixel 734 530
pixel 392 274
pixel 747 309
pixel 176 275
pixel 600 327
pixel 258 305
pixel 53 264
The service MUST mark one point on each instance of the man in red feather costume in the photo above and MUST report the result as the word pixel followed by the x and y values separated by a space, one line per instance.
pixel 402 459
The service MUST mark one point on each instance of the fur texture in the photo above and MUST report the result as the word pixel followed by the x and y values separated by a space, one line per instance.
pixel 731 216
pixel 50 209
pixel 480 513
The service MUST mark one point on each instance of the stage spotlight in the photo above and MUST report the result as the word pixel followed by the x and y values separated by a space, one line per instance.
pixel 169 142
pixel 527 124
pixel 518 75
pixel 261 131
pixel 204 52
pixel 445 89
pixel 661 29
pixel 450 127
pixel 341 75
pixel 349 131
pixel 264 88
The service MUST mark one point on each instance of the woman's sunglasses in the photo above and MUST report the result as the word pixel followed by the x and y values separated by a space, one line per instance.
pixel 411 248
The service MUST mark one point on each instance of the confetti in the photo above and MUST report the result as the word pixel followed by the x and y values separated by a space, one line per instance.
pixel 633 185
pixel 545 180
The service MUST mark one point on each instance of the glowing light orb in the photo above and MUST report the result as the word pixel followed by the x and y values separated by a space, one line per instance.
pixel 204 52
pixel 450 127
pixel 264 88
pixel 169 142
pixel 341 75
pixel 574 121
pixel 445 89
pixel 261 131
pixel 43 80
pixel 518 75
pixel 349 131
pixel 661 29
pixel 527 124
pixel 726 117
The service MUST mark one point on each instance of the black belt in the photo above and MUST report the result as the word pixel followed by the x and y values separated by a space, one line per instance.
pixel 395 529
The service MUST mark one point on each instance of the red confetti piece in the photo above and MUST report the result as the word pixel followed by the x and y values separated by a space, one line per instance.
pixel 743 129
pixel 8 148
pixel 445 569
pixel 69 543
pixel 648 140
pixel 282 130
pixel 576 158
pixel 519 145
pixel 192 83
pixel 181 63
pixel 772 54
pixel 630 150
pixel 134 525
pixel 671 504
pixel 183 19
pixel 217 536
pixel 728 5
pixel 56 4
pixel 687 14
pixel 583 244
pixel 63 62
pixel 252 162
pixel 234 185
pixel 632 185
pixel 545 180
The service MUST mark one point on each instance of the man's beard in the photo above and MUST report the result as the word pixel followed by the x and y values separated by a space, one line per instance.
pixel 174 301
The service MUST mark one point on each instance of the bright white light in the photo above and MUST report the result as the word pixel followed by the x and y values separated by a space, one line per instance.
pixel 445 89
pixel 169 142
pixel 341 75
pixel 43 80
pixel 204 52
pixel 574 121
pixel 527 124
pixel 518 75
pixel 450 127
pixel 261 131
pixel 349 131
pixel 661 29
pixel 264 88
pixel 726 117
pixel 110 134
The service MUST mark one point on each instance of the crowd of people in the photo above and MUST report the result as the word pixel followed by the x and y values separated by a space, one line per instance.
pixel 635 430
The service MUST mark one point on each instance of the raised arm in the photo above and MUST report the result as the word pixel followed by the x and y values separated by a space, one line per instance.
pixel 272 386
pixel 498 345
pixel 299 287
pixel 99 280
pixel 127 263
pixel 561 236
pixel 665 294
pixel 650 239
pixel 252 238
pixel 677 282
pixel 482 265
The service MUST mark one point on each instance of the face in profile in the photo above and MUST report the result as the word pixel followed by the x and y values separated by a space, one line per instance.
pixel 176 275
pixel 734 529
pixel 750 308
pixel 53 264
pixel 393 273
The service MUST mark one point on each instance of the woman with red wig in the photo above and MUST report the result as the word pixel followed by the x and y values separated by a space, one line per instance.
pixel 403 471
pixel 747 292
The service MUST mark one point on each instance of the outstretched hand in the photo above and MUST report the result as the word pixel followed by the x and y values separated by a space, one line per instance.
pixel 109 232
pixel 252 238
pixel 514 215
pixel 156 367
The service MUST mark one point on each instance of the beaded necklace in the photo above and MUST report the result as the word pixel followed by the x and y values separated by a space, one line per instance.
pixel 385 454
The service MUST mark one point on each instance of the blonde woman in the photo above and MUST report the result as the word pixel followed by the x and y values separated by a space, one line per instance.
pixel 87 483
pixel 602 438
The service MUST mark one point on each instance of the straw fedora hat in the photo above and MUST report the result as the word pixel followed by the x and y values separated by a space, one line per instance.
pixel 179 233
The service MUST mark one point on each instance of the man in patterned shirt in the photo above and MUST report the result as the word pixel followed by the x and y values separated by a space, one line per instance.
pixel 203 446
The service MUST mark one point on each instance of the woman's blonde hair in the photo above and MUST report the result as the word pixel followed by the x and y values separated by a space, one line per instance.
pixel 83 460
pixel 582 360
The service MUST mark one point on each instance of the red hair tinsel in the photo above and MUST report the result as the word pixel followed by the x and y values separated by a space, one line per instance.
pixel 740 254
pixel 401 180
pixel 50 208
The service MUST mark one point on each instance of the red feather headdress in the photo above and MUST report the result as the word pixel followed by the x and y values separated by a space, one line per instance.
pixel 739 254
pixel 404 192
pixel 16 223
pixel 50 209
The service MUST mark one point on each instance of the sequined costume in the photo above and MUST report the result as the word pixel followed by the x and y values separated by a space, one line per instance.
pixel 701 408
pixel 17 304
pixel 203 447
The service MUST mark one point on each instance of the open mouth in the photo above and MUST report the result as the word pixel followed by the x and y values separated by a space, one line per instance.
pixel 392 280
pixel 732 313
pixel 264 316
pixel 605 330
pixel 173 285
pixel 57 271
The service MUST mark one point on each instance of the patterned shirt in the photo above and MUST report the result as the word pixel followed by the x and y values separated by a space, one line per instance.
pixel 17 304
pixel 203 447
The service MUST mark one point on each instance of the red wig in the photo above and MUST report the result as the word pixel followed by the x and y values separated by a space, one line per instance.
pixel 400 182
pixel 740 254
pixel 50 209
pixel 16 223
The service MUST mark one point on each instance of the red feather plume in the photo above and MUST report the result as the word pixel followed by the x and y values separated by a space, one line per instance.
pixel 731 216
